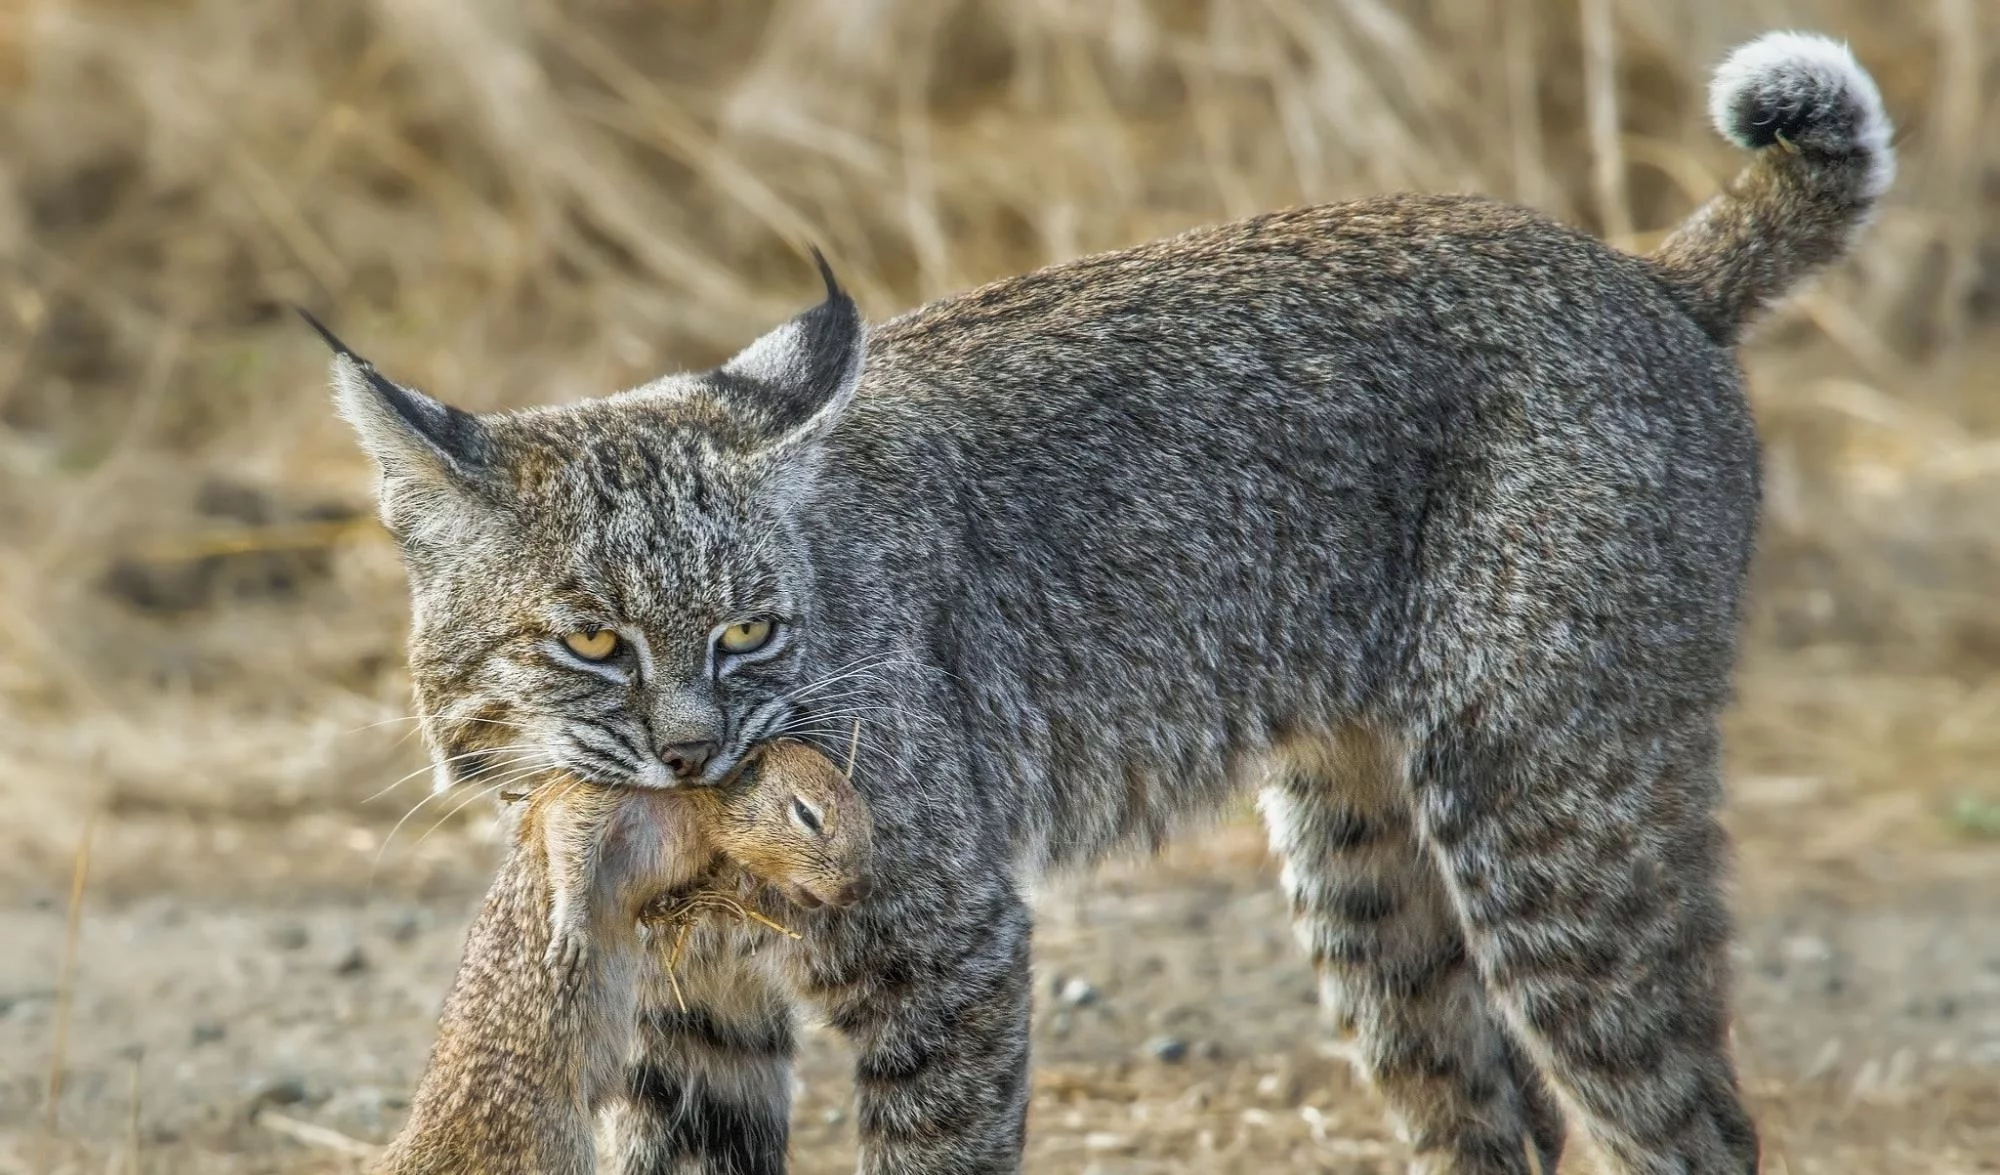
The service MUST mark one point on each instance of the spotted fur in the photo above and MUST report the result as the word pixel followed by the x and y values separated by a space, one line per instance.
pixel 1427 514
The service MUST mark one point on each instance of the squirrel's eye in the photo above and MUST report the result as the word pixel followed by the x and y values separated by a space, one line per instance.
pixel 596 645
pixel 804 814
pixel 747 637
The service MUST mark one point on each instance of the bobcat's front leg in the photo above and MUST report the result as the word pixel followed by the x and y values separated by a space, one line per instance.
pixel 939 1016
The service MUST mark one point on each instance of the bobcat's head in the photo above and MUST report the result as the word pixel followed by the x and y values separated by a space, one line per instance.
pixel 614 588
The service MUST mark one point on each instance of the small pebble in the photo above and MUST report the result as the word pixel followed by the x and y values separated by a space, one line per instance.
pixel 283 1091
pixel 833 1116
pixel 209 1031
pixel 290 937
pixel 354 962
pixel 1077 993
pixel 1171 1050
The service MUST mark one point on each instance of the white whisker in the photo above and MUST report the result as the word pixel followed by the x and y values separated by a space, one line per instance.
pixel 460 757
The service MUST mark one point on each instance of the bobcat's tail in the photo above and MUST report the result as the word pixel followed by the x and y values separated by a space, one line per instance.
pixel 1814 119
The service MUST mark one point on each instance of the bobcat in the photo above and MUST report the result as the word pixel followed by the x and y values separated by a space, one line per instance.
pixel 1425 514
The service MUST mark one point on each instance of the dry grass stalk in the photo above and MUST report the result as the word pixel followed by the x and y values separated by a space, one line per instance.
pixel 132 1163
pixel 312 1134
pixel 680 913
pixel 66 978
pixel 1600 80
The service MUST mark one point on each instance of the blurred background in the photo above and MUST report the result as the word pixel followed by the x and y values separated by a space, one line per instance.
pixel 515 201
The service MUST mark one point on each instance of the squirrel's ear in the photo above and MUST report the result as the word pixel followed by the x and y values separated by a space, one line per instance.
pixel 798 378
pixel 434 459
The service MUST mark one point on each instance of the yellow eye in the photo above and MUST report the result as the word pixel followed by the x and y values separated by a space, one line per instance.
pixel 595 645
pixel 746 637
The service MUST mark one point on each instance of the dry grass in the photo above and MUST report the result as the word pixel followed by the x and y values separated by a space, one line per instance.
pixel 521 200
pixel 511 202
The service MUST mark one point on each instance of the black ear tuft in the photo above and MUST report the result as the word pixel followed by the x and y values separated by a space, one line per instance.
pixel 332 340
pixel 833 290
pixel 399 424
pixel 806 369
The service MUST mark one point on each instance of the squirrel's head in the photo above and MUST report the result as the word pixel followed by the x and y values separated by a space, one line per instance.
pixel 795 822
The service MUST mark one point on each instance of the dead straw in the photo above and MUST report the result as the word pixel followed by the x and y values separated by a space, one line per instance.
pixel 66 983
pixel 1600 80
pixel 313 1134
pixel 684 910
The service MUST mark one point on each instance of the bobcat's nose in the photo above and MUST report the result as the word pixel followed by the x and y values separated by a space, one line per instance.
pixel 686 760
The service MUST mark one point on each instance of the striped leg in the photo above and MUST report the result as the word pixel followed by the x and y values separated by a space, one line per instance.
pixel 935 1000
pixel 1588 877
pixel 710 1088
pixel 1373 912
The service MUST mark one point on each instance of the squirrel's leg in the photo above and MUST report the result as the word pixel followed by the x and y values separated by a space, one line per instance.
pixel 573 863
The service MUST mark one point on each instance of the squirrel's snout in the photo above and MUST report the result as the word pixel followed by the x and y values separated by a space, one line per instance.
pixel 847 895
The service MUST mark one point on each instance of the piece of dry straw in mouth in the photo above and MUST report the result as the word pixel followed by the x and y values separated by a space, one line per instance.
pixel 687 909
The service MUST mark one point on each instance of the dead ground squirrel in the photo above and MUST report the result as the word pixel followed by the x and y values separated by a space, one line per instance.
pixel 527 1053
pixel 793 821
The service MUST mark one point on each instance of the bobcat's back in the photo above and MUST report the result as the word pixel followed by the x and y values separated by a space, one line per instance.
pixel 1379 458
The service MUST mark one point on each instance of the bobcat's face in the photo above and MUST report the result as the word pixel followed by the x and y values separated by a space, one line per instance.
pixel 613 588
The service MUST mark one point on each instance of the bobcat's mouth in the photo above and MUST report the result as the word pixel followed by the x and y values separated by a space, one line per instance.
pixel 762 728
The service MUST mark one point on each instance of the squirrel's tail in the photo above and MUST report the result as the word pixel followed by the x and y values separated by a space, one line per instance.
pixel 1814 119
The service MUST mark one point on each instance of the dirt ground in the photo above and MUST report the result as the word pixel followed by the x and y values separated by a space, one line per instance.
pixel 521 201
pixel 256 994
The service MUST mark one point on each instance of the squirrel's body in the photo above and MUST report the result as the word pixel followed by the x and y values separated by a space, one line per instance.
pixel 544 1013
pixel 793 821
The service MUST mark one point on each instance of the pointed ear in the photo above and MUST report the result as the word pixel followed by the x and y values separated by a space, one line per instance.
pixel 405 431
pixel 434 459
pixel 798 378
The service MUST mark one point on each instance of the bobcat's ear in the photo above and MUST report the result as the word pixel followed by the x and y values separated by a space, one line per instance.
pixel 434 459
pixel 797 379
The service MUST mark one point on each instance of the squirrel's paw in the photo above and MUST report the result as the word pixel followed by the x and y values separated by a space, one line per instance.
pixel 568 951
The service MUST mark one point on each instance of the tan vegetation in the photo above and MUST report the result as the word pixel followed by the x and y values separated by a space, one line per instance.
pixel 510 201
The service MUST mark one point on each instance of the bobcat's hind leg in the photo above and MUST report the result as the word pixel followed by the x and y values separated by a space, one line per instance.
pixel 1587 874
pixel 1373 913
